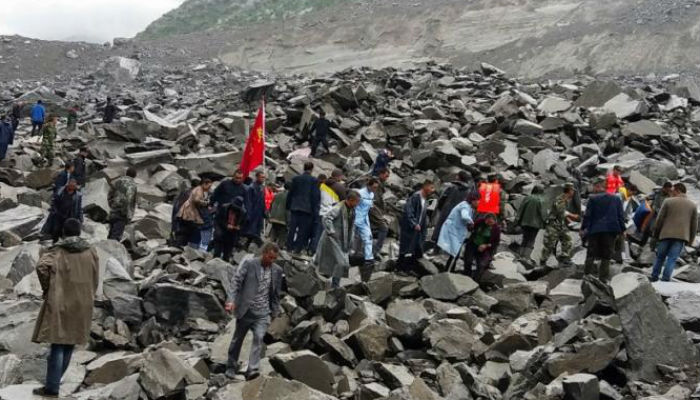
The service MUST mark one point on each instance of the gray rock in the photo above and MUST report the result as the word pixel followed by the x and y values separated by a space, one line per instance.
pixel 551 105
pixel 394 376
pixel 165 374
pixel 645 320
pixel 341 351
pixel 447 286
pixel 20 220
pixel 589 357
pixel 450 339
pixel 597 93
pixel 624 106
pixel 113 367
pixel 406 318
pixel 274 388
pixel 581 387
pixel 525 127
pixel 306 367
pixel 175 304
pixel 643 129
pixel 685 307
pixel 95 200
pixel 370 341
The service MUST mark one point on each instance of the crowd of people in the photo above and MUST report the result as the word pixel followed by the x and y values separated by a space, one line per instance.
pixel 334 224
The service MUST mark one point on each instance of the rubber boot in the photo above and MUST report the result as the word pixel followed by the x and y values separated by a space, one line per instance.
pixel 366 270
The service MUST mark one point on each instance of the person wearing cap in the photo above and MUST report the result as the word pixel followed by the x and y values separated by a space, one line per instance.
pixel 457 226
pixel 557 229
pixel 602 223
pixel 482 245
pixel 531 218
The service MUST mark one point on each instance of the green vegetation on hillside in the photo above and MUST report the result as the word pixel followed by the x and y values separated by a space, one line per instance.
pixel 201 15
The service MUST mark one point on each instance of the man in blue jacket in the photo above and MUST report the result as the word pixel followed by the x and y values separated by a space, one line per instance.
pixel 303 202
pixel 602 223
pixel 38 115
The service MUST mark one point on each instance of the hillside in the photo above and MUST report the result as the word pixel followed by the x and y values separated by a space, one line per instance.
pixel 526 37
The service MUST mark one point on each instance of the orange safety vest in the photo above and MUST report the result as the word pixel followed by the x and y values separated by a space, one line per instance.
pixel 614 183
pixel 269 197
pixel 490 200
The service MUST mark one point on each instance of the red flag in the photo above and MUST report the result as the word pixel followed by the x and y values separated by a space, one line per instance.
pixel 255 145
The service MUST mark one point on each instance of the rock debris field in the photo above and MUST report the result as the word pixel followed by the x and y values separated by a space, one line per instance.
pixel 160 330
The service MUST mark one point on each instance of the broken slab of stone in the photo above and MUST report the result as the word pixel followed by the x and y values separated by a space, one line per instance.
pixel 119 69
pixel 176 304
pixel 113 367
pixel 20 220
pixel 406 318
pixel 524 333
pixel 581 387
pixel 165 374
pixel 652 335
pixel 588 357
pixel 597 93
pixel 339 349
pixel 394 375
pixel 568 292
pixel 306 367
pixel 685 306
pixel 96 200
pixel 624 106
pixel 643 129
pixel 552 104
pixel 370 341
pixel 450 339
pixel 269 388
pixel 447 286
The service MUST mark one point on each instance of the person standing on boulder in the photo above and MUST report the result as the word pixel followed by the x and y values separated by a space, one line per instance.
pixel 72 118
pixel 122 200
pixel 190 214
pixel 363 228
pixel 48 137
pixel 254 301
pixel 378 218
pixel 320 127
pixel 414 224
pixel 676 227
pixel 382 161
pixel 38 114
pixel 228 222
pixel 531 218
pixel 67 204
pixel 557 229
pixel 602 222
pixel 333 254
pixel 110 112
pixel 455 192
pixel 7 136
pixel 457 227
pixel 229 189
pixel 69 274
pixel 16 115
pixel 303 204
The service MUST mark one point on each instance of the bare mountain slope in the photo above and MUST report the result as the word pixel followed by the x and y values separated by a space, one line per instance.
pixel 532 38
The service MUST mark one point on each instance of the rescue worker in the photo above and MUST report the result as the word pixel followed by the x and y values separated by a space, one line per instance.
pixel 48 137
pixel 531 218
pixel 122 199
pixel 557 229
pixel 490 197
pixel 614 180
pixel 363 228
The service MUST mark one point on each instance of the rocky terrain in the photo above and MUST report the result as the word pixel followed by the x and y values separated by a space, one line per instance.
pixel 160 330
pixel 525 37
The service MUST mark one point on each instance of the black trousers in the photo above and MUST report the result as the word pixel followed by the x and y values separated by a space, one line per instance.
pixel 116 228
pixel 36 127
pixel 224 243
pixel 529 236
pixel 482 259
pixel 316 141
pixel 301 227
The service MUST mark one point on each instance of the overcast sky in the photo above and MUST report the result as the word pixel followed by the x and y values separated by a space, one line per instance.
pixel 89 20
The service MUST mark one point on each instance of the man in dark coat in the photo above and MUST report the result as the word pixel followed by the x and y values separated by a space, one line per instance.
pixel 16 115
pixel 228 222
pixel 256 213
pixel 455 192
pixel 337 183
pixel 531 218
pixel 382 161
pixel 67 203
pixel 7 137
pixel 229 189
pixel 603 222
pixel 414 223
pixel 303 202
pixel 64 177
pixel 79 168
pixel 321 127
pixel 110 112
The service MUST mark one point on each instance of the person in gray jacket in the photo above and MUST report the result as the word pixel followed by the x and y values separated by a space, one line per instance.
pixel 254 300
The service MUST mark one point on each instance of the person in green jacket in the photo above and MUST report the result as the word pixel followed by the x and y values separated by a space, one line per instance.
pixel 531 217
pixel 48 137
pixel 278 217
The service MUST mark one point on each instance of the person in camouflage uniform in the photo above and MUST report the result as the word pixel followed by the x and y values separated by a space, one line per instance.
pixel 556 228
pixel 122 199
pixel 48 137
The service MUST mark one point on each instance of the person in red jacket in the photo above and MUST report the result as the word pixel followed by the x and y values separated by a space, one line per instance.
pixel 614 180
pixel 490 200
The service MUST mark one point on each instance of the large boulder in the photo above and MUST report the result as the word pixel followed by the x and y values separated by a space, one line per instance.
pixel 20 220
pixel 685 306
pixel 96 200
pixel 175 304
pixel 306 367
pixel 125 389
pixel 274 388
pixel 652 335
pixel 119 69
pixel 406 318
pixel 450 339
pixel 165 374
pixel 448 286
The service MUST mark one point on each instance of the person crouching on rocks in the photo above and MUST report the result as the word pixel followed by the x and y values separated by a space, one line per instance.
pixel 482 246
